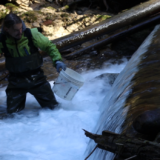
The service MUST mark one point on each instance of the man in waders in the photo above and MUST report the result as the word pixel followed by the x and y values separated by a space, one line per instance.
pixel 23 61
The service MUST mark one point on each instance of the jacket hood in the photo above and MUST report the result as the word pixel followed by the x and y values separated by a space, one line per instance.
pixel 23 28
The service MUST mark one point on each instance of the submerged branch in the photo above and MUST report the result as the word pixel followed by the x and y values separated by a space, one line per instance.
pixel 126 147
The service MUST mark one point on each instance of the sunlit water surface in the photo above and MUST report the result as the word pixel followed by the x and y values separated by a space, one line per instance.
pixel 43 134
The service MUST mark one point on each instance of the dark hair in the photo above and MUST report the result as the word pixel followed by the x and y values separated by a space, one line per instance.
pixel 11 19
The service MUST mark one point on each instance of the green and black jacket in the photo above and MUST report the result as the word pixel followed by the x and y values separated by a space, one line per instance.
pixel 20 48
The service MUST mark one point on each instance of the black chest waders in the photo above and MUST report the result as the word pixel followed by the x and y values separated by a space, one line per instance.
pixel 26 76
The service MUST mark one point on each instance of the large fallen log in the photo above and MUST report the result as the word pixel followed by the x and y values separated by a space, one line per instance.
pixel 112 38
pixel 145 91
pixel 126 147
pixel 131 16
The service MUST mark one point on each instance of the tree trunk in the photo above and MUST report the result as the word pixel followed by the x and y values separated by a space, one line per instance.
pixel 131 16
pixel 150 22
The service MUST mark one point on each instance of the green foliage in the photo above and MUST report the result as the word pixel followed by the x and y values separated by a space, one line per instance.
pixel 49 16
pixel 11 6
pixel 51 8
pixel 38 11
pixel 29 16
pixel 103 17
pixel 64 15
pixel 3 13
pixel 66 6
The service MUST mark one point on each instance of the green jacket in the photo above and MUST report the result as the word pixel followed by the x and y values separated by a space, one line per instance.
pixel 39 40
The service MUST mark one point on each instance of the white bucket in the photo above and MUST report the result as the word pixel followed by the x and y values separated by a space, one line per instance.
pixel 67 84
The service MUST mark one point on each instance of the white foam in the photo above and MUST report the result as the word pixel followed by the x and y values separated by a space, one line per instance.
pixel 38 134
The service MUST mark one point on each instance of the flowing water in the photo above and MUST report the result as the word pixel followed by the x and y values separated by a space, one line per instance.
pixel 43 134
pixel 113 107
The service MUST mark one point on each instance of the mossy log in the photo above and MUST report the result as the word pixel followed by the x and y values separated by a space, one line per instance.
pixel 126 147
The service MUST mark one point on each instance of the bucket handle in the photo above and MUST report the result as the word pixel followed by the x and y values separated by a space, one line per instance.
pixel 59 83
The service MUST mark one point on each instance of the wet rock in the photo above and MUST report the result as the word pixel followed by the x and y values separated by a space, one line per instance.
pixel 108 77
pixel 108 52
pixel 49 1
pixel 58 22
pixel 38 1
pixel 79 12
pixel 148 122
pixel 28 25
pixel 49 10
pixel 73 28
pixel 36 25
pixel 83 9
pixel 26 8
pixel 88 12
pixel 22 2
pixel 48 22
pixel 53 32
pixel 36 6
pixel 93 53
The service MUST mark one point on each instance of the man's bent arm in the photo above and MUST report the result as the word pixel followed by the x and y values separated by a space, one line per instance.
pixel 46 45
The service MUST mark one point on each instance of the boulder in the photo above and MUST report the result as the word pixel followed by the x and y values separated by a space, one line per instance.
pixel 49 10
pixel 73 27
pixel 53 32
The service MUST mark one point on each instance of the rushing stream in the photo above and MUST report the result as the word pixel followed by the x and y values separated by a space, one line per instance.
pixel 43 134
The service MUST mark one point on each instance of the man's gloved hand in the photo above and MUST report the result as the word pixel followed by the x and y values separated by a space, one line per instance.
pixel 60 65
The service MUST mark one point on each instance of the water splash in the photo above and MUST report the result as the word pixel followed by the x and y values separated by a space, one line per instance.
pixel 43 134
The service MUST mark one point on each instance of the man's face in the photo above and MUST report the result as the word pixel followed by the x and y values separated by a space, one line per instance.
pixel 15 31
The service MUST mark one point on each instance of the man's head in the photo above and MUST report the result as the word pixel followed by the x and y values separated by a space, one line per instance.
pixel 12 24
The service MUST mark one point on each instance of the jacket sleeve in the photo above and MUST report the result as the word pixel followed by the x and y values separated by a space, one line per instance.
pixel 46 45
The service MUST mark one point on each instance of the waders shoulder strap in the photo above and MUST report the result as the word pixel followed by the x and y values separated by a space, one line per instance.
pixel 28 34
pixel 4 49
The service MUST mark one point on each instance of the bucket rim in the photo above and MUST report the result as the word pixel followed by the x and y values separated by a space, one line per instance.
pixel 69 78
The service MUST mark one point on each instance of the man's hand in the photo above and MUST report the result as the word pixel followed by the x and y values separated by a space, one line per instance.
pixel 60 65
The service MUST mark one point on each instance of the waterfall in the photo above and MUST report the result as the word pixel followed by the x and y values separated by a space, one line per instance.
pixel 113 107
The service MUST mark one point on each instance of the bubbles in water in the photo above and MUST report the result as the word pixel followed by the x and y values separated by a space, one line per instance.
pixel 44 134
